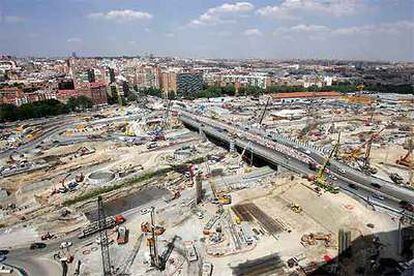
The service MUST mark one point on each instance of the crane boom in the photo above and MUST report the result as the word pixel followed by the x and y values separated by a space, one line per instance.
pixel 264 112
pixel 106 260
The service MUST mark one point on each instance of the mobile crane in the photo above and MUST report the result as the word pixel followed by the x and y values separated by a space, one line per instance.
pixel 320 178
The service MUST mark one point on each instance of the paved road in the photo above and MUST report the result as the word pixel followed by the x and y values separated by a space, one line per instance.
pixel 345 174
pixel 64 124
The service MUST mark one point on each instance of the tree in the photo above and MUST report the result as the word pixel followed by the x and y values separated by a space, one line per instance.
pixel 229 90
pixel 80 103
pixel 8 112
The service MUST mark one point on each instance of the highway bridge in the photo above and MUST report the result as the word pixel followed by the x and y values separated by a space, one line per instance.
pixel 263 145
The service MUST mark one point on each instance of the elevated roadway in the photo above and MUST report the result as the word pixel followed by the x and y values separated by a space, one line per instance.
pixel 267 146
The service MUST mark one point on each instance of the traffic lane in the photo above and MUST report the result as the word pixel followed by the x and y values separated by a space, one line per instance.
pixel 56 129
pixel 388 190
pixel 396 192
pixel 297 164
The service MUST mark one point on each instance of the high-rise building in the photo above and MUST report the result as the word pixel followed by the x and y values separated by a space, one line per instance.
pixel 168 82
pixel 199 189
pixel 91 75
pixel 111 75
pixel 66 84
pixel 189 83
pixel 125 88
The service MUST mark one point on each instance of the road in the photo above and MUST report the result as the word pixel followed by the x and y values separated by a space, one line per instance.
pixel 63 125
pixel 261 145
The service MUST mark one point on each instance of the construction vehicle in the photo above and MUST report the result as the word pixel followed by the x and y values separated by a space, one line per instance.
pixel 191 253
pixel 62 188
pixel 313 238
pixel 122 235
pixel 320 178
pixel 407 160
pixel 220 198
pixel 47 236
pixel 295 208
pixel 151 231
pixel 147 228
pixel 356 154
pixel 396 178
pixel 79 177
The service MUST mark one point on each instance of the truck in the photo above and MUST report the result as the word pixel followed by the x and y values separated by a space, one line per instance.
pixel 93 227
pixel 207 269
pixel 191 253
pixel 123 235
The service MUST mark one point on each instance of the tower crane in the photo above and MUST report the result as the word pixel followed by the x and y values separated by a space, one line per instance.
pixel 106 260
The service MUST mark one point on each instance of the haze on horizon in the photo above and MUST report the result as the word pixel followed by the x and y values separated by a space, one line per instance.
pixel 322 29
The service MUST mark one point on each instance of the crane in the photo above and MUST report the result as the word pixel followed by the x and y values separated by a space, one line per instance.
pixel 406 159
pixel 106 260
pixel 356 153
pixel 152 243
pixel 320 179
pixel 264 112
pixel 124 267
pixel 244 150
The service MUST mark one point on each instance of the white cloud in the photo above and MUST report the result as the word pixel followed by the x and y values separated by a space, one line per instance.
pixel 74 40
pixel 289 9
pixel 252 32
pixel 310 28
pixel 383 28
pixel 169 34
pixel 13 19
pixel 121 15
pixel 393 28
pixel 222 13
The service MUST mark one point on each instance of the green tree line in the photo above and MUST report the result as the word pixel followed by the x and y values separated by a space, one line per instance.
pixel 230 90
pixel 51 107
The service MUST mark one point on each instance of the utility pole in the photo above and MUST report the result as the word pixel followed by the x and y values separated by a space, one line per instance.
pixel 106 260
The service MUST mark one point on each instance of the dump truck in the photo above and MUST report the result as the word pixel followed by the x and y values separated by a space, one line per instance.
pixel 123 235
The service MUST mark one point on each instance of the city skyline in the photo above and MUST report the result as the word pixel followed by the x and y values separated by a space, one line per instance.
pixel 286 29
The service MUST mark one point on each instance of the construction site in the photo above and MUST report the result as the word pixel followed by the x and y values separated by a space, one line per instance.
pixel 269 185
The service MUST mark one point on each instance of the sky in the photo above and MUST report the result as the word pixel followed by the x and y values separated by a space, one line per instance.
pixel 278 29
